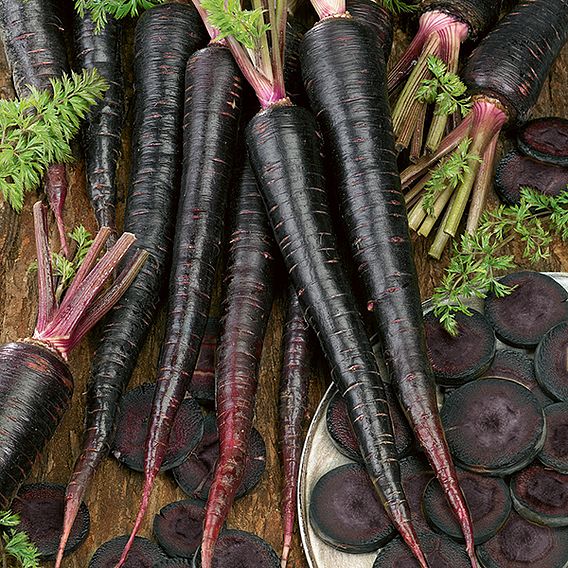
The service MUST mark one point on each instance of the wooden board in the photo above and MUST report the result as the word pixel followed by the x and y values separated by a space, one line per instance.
pixel 114 495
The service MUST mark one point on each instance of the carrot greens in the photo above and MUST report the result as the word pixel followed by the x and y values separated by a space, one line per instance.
pixel 37 130
pixel 15 545
pixel 476 263
pixel 445 89
pixel 101 10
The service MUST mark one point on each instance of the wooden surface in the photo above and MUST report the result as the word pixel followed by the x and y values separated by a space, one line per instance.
pixel 114 495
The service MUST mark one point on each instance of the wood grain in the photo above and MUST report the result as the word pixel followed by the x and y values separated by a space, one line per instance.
pixel 113 498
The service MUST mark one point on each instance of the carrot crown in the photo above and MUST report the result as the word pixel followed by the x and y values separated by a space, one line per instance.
pixel 62 324
pixel 256 40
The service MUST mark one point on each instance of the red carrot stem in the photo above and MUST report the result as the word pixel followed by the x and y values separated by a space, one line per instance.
pixel 56 191
pixel 46 291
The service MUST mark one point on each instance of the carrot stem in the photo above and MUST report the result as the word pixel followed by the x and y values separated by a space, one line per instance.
pixel 46 291
pixel 482 185
pixel 487 122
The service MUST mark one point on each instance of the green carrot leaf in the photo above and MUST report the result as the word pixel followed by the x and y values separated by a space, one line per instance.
pixel 245 26
pixel 100 10
pixel 37 130
pixel 446 89
pixel 16 544
pixel 477 263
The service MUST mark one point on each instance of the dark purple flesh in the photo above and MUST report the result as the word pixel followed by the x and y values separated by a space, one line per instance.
pixel 40 506
pixel 493 426
pixel 516 366
pixel 554 453
pixel 194 475
pixel 346 512
pixel 545 139
pixel 488 499
pixel 541 496
pixel 202 385
pixel 143 554
pixel 551 362
pixel 132 426
pixel 173 563
pixel 416 473
pixel 440 552
pixel 342 434
pixel 536 305
pixel 522 544
pixel 239 549
pixel 178 527
pixel 515 171
pixel 456 360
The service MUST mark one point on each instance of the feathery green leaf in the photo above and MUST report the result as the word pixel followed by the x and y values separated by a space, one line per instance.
pixel 16 544
pixel 445 89
pixel 448 173
pixel 37 130
pixel 246 26
pixel 100 10
pixel 476 262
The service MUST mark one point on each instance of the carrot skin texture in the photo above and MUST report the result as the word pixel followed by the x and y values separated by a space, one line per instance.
pixel 36 386
pixel 479 15
pixel 285 154
pixel 347 90
pixel 246 308
pixel 213 91
pixel 165 37
pixel 102 129
pixel 512 62
pixel 293 407
pixel 34 44
pixel 378 19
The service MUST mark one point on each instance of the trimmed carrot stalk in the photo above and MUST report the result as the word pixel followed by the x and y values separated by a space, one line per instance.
pixel 213 90
pixel 165 37
pixel 375 216
pixel 36 384
pixel 35 48
pixel 520 51
pixel 443 27
pixel 293 407
pixel 286 157
pixel 103 126
pixel 247 304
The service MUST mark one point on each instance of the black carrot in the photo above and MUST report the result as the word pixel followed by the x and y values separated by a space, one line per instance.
pixel 505 73
pixel 296 344
pixel 247 304
pixel 101 133
pixel 444 25
pixel 35 48
pixel 36 383
pixel 213 89
pixel 346 88
pixel 165 37
pixel 285 155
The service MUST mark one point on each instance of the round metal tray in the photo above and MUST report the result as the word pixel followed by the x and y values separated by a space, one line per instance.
pixel 320 455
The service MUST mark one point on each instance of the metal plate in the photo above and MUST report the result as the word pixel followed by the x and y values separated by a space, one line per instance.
pixel 320 455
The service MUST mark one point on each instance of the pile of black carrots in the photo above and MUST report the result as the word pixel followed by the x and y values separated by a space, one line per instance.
pixel 199 150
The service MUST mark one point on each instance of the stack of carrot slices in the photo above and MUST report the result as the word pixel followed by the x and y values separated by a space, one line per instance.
pixel 504 384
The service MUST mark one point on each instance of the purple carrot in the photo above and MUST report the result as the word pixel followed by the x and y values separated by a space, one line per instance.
pixel 210 130
pixel 36 383
pixel 103 126
pixel 246 308
pixel 164 39
pixel 293 408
